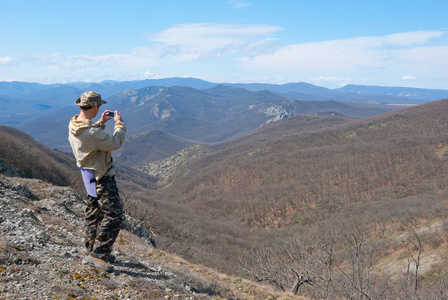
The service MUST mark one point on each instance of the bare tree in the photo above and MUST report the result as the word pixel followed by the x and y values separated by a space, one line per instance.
pixel 301 280
pixel 414 245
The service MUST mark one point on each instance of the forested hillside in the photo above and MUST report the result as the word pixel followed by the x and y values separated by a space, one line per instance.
pixel 294 166
pixel 355 207
pixel 34 160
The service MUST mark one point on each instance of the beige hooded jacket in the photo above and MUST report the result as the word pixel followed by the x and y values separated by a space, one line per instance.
pixel 92 145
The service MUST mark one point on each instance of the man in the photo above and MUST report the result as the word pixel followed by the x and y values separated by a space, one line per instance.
pixel 92 148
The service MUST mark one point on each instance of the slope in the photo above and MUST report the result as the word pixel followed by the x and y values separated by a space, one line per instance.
pixel 393 153
pixel 357 207
pixel 149 146
pixel 41 229
pixel 41 255
pixel 34 159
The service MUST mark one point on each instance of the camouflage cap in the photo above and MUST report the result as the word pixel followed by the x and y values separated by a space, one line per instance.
pixel 89 99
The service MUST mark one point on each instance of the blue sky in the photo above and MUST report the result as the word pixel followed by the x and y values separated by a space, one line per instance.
pixel 327 43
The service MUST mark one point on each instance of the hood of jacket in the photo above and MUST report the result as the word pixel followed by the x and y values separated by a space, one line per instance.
pixel 77 126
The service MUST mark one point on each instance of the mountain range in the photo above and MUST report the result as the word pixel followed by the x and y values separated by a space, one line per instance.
pixel 298 90
pixel 187 116
pixel 166 115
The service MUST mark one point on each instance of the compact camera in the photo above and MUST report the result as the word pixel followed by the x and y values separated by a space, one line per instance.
pixel 111 114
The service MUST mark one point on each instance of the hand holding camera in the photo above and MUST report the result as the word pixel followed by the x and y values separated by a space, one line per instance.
pixel 117 117
pixel 108 115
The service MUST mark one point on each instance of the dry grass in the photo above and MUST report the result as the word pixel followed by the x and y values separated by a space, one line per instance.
pixel 205 279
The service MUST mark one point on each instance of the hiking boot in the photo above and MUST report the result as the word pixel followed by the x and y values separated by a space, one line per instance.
pixel 99 263
pixel 110 258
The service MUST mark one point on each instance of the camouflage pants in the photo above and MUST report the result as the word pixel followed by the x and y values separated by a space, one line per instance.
pixel 104 215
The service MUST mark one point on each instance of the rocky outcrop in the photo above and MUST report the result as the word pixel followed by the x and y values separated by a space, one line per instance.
pixel 7 170
pixel 165 168
pixel 41 251
pixel 162 110
pixel 276 113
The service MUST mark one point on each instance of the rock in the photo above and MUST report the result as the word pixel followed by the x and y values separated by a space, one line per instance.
pixel 41 241
pixel 165 168
pixel 8 170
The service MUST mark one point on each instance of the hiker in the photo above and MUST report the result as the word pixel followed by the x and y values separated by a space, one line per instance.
pixel 92 148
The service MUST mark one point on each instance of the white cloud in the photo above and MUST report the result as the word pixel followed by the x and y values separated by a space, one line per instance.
pixel 210 40
pixel 181 43
pixel 332 56
pixel 139 57
pixel 6 60
pixel 398 52
pixel 148 74
pixel 433 55
pixel 411 38
pixel 409 77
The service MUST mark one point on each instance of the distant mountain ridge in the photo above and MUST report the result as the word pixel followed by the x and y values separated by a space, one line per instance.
pixel 109 87
pixel 415 93
pixel 23 93
pixel 306 91
pixel 17 87
pixel 170 118
pixel 186 111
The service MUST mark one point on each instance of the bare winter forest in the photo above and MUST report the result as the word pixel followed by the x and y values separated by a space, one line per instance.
pixel 325 206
